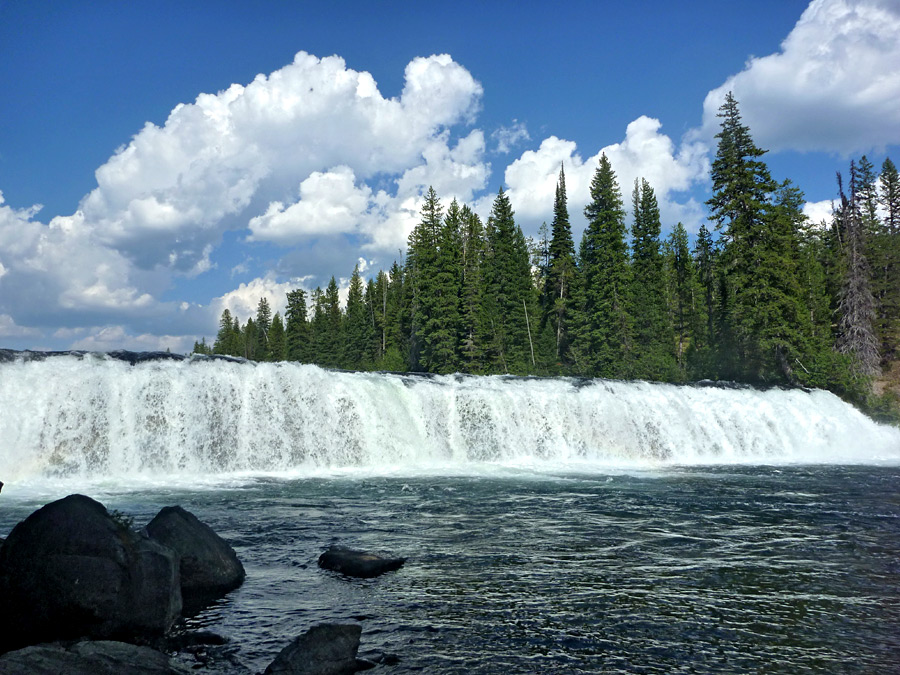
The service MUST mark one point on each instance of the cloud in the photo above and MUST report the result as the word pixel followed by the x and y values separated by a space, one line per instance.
pixel 166 198
pixel 110 338
pixel 644 152
pixel 243 301
pixel 509 137
pixel 833 86
pixel 8 328
pixel 819 211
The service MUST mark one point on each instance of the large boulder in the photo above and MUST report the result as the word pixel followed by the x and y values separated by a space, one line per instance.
pixel 357 563
pixel 326 649
pixel 70 570
pixel 88 658
pixel 209 566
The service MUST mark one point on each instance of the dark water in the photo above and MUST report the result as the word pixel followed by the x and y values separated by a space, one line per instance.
pixel 728 569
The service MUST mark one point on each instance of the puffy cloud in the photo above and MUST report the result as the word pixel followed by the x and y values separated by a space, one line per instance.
pixel 644 152
pixel 818 211
pixel 833 86
pixel 8 328
pixel 166 198
pixel 243 301
pixel 509 137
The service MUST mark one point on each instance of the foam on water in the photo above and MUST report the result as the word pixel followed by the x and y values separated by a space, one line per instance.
pixel 94 418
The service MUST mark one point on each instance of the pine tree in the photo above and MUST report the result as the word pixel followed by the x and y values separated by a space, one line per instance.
pixel 277 343
pixel 885 246
pixel 262 352
pixel 355 333
pixel 331 337
pixel 473 319
pixel 396 343
pixel 560 276
pixel 443 326
pixel 297 346
pixel 421 272
pixel 684 296
pixel 225 338
pixel 761 299
pixel 510 302
pixel 604 336
pixel 654 356
pixel 856 335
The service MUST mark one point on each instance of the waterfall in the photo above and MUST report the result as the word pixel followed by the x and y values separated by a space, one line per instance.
pixel 94 415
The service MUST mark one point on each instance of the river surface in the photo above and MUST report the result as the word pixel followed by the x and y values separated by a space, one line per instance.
pixel 732 569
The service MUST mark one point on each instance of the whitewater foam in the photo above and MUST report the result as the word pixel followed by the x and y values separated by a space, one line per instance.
pixel 98 417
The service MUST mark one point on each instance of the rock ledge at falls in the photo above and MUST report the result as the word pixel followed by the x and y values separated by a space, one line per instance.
pixel 358 563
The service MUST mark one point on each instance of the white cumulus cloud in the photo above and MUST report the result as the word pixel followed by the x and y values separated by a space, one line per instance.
pixel 833 86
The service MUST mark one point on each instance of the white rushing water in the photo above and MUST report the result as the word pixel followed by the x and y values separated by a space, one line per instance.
pixel 99 417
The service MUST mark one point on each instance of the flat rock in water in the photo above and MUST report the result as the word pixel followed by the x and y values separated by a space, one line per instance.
pixel 209 566
pixel 326 649
pixel 88 658
pixel 358 563
pixel 70 570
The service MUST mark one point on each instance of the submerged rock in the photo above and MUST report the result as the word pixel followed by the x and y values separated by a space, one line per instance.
pixel 358 563
pixel 326 649
pixel 88 658
pixel 70 570
pixel 209 566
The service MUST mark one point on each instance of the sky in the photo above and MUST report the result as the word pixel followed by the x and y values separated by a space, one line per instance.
pixel 162 161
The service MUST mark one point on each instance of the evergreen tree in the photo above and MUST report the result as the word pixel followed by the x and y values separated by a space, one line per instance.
pixel 331 338
pixel 474 332
pixel 297 346
pixel 396 344
pixel 263 324
pixel 250 339
pixel 856 335
pixel 761 299
pixel 654 356
pixel 510 301
pixel 226 339
pixel 604 336
pixel 277 342
pixel 355 334
pixel 443 327
pixel 684 296
pixel 702 357
pixel 201 347
pixel 885 260
pixel 421 273
pixel 560 275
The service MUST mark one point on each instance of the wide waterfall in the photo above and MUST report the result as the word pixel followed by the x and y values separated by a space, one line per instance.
pixel 92 415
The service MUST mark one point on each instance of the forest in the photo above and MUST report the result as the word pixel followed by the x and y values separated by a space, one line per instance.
pixel 763 297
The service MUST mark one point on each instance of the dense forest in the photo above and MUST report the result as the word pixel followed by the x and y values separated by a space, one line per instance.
pixel 764 296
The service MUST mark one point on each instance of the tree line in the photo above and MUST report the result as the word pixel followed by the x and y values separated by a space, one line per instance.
pixel 765 297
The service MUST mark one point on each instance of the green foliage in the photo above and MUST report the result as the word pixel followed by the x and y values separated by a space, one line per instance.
pixel 604 336
pixel 297 337
pixel 560 277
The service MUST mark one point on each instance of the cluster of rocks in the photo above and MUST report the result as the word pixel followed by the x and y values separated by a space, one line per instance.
pixel 83 592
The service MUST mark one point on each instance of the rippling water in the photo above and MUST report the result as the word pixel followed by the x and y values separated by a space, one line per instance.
pixel 729 569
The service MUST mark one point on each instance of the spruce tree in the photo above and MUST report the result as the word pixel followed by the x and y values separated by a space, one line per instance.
pixel 474 332
pixel 443 327
pixel 761 299
pixel 510 301
pixel 225 339
pixel 560 275
pixel 604 337
pixel 297 346
pixel 262 351
pixel 277 344
pixel 684 296
pixel 355 332
pixel 654 342
pixel 421 272
pixel 331 338
pixel 856 334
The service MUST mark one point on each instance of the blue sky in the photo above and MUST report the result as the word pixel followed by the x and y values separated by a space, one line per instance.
pixel 189 157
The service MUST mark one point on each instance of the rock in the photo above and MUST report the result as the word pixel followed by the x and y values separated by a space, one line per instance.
pixel 326 649
pixel 357 563
pixel 209 566
pixel 87 658
pixel 70 570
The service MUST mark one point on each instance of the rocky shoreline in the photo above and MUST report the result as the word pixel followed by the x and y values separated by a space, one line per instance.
pixel 84 592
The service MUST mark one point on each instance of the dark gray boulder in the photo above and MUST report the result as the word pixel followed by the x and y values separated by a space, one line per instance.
pixel 70 571
pixel 88 658
pixel 209 566
pixel 357 563
pixel 326 649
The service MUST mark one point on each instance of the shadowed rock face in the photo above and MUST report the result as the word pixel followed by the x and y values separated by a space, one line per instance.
pixel 326 649
pixel 358 563
pixel 70 570
pixel 209 566
pixel 87 658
